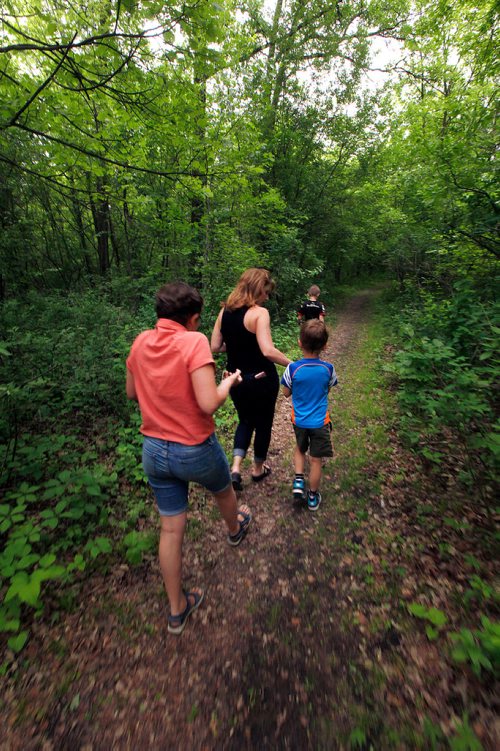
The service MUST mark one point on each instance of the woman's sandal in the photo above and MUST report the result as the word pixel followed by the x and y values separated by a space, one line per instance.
pixel 264 474
pixel 176 623
pixel 236 481
pixel 235 539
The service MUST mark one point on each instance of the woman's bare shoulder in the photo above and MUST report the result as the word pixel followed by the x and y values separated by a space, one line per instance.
pixel 262 314
pixel 254 315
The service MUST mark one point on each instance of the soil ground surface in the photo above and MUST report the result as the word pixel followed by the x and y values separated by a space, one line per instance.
pixel 303 641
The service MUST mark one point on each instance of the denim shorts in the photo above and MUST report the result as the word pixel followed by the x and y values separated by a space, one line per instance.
pixel 171 466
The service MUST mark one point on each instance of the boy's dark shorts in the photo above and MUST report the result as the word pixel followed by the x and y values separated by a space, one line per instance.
pixel 316 440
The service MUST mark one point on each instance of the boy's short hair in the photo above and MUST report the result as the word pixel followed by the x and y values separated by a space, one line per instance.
pixel 313 335
pixel 314 290
pixel 178 302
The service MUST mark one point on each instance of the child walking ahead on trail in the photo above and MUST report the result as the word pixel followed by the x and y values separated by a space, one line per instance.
pixel 308 381
pixel 311 308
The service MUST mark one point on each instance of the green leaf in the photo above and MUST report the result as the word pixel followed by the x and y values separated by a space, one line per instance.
pixel 432 633
pixel 51 523
pixel 75 513
pixel 47 560
pixel 75 702
pixel 26 589
pixel 27 561
pixel 435 616
pixel 52 572
pixel 7 623
pixel 93 490
pixel 357 738
pixel 104 544
pixel 134 556
pixel 418 610
pixel 459 654
pixel 61 505
pixel 16 643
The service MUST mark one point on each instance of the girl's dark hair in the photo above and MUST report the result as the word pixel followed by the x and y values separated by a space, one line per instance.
pixel 313 335
pixel 178 301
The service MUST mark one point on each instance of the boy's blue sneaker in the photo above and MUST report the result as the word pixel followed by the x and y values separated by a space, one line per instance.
pixel 313 500
pixel 299 489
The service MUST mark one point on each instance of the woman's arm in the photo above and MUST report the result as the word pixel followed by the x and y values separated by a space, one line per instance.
pixel 265 340
pixel 130 386
pixel 217 343
pixel 208 395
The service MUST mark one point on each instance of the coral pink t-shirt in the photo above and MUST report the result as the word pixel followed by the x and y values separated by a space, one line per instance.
pixel 161 361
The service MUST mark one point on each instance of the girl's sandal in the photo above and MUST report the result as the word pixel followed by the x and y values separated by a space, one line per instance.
pixel 176 623
pixel 236 481
pixel 234 540
pixel 263 475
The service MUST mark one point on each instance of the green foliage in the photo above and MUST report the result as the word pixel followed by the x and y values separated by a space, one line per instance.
pixel 65 354
pixel 480 592
pixel 436 618
pixel 58 513
pixel 480 648
pixel 433 735
pixel 446 369
pixel 357 738
pixel 43 522
pixel 137 543
pixel 464 738
pixel 285 336
pixel 225 421
pixel 129 449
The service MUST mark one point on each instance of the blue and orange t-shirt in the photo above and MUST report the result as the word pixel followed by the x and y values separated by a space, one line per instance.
pixel 310 380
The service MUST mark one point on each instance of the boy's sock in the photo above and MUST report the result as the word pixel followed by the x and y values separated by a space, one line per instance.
pixel 299 487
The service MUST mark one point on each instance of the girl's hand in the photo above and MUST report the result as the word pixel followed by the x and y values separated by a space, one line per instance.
pixel 233 378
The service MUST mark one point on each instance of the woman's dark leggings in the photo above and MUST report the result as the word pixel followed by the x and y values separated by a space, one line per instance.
pixel 255 400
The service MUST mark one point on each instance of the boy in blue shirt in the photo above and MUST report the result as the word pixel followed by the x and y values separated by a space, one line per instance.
pixel 308 382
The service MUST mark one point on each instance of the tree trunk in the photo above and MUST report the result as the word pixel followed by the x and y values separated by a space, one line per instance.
pixel 198 204
pixel 100 215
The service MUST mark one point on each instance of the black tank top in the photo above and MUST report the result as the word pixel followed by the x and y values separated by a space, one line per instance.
pixel 242 348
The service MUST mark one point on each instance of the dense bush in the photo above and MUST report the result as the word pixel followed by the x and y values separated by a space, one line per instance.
pixel 61 354
pixel 68 442
pixel 446 369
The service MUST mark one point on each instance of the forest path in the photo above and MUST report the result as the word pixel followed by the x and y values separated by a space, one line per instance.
pixel 295 646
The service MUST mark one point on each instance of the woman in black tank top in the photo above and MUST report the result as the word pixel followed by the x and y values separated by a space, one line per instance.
pixel 243 330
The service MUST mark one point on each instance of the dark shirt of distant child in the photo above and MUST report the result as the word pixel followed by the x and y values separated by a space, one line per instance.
pixel 311 309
